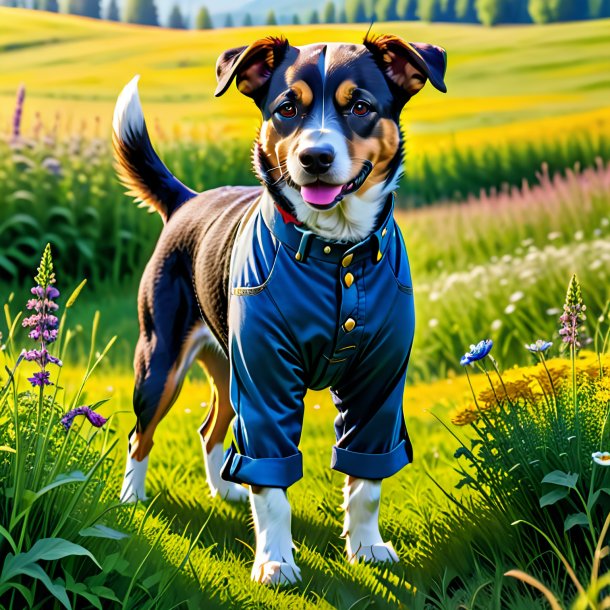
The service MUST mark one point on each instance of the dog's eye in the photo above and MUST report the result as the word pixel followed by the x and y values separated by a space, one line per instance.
pixel 288 110
pixel 361 108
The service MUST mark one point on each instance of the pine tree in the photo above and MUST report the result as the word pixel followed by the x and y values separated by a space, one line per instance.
pixel 355 11
pixel 85 8
pixel 229 21
pixel 203 20
pixel 248 20
pixel 540 11
pixel 330 13
pixel 143 12
pixel 271 20
pixel 47 5
pixel 296 20
pixel 113 11
pixel 386 10
pixel 342 16
pixel 314 18
pixel 176 20
pixel 407 10
pixel 466 11
pixel 599 9
pixel 489 12
pixel 430 10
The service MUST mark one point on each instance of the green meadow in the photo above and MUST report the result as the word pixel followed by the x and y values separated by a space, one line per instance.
pixel 506 198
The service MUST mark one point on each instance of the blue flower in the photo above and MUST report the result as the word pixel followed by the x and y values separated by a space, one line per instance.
pixel 477 352
pixel 539 347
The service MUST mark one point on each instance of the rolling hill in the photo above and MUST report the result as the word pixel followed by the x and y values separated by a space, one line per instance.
pixel 503 82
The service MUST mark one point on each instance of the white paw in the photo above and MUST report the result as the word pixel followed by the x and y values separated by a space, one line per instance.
pixel 129 495
pixel 382 552
pixel 276 573
pixel 133 483
pixel 231 492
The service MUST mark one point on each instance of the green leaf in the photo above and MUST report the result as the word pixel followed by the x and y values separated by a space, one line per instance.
pixel 62 479
pixel 565 479
pixel 114 562
pixel 552 497
pixel 152 580
pixel 102 531
pixel 592 500
pixel 575 519
pixel 48 549
pixel 7 536
pixel 105 593
pixel 27 594
pixel 58 591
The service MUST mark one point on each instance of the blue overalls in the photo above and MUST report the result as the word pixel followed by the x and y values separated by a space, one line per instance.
pixel 308 313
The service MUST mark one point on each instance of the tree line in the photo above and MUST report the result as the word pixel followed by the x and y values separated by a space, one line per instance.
pixel 487 12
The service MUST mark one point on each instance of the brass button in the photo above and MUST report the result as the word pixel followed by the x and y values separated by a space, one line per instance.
pixel 326 249
pixel 379 255
pixel 384 232
pixel 348 279
pixel 349 324
pixel 298 256
pixel 347 260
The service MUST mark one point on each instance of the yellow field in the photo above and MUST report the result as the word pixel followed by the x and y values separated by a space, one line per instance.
pixel 504 82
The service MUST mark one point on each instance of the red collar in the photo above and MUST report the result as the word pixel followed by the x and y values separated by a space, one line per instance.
pixel 287 216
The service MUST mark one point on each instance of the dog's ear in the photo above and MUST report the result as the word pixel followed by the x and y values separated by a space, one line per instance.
pixel 251 66
pixel 409 64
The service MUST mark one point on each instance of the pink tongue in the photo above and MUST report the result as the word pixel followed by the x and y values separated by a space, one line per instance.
pixel 320 194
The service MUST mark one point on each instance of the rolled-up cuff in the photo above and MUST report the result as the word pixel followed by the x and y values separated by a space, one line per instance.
pixel 266 472
pixel 370 465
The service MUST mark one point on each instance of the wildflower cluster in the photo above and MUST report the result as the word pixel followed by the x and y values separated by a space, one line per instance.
pixel 43 323
pixel 573 315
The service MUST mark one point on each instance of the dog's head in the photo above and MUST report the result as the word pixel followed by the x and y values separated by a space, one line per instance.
pixel 331 112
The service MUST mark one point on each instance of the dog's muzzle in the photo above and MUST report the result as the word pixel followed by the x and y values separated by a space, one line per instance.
pixel 324 196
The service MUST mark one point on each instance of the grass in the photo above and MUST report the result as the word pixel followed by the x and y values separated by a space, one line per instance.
pixel 503 258
pixel 448 558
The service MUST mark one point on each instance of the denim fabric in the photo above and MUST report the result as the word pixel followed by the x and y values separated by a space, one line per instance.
pixel 289 330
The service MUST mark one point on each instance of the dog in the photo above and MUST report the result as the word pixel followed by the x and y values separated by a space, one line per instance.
pixel 301 283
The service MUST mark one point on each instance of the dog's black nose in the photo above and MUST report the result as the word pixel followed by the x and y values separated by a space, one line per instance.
pixel 317 159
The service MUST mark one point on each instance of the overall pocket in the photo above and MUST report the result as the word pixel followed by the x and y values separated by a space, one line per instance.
pixel 264 278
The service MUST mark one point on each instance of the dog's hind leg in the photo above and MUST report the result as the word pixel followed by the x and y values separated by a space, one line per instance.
pixel 361 526
pixel 214 429
pixel 171 337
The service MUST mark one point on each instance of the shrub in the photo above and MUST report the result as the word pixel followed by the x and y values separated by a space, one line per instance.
pixel 535 462
pixel 57 484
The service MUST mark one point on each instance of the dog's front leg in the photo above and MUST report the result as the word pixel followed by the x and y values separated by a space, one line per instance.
pixel 361 526
pixel 273 561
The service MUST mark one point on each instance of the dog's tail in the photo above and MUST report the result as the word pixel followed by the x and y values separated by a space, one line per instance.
pixel 137 164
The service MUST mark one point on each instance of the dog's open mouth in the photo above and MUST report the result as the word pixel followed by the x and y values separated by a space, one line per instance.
pixel 325 196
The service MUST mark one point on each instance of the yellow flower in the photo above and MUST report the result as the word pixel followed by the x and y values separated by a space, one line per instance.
pixel 465 416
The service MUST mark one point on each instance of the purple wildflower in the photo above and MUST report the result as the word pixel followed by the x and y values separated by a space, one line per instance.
pixel 52 165
pixel 43 324
pixel 573 314
pixel 40 378
pixel 94 418
pixel 18 112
